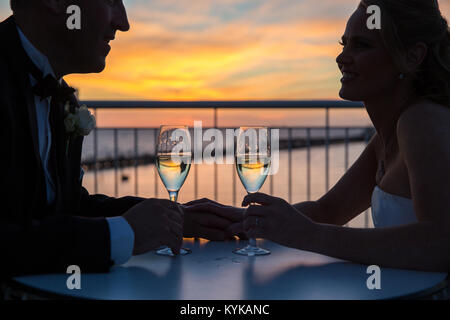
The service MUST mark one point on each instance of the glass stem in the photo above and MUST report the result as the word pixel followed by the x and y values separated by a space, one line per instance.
pixel 251 241
pixel 173 195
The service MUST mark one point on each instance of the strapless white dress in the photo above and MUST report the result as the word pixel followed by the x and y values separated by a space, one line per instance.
pixel 390 210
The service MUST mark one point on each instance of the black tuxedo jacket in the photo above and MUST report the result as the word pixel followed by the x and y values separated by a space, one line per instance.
pixel 35 237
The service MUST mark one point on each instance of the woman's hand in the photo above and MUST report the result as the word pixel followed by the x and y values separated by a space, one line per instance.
pixel 211 220
pixel 276 220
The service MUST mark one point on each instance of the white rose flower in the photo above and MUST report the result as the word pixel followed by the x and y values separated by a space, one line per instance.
pixel 79 123
pixel 86 120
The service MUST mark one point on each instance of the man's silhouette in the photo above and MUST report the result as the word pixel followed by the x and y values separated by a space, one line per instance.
pixel 48 221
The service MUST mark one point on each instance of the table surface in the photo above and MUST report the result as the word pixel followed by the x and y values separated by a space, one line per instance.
pixel 213 272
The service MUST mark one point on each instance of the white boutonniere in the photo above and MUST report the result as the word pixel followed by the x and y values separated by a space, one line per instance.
pixel 77 122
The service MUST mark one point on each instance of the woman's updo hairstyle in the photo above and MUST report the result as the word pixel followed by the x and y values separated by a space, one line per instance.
pixel 408 22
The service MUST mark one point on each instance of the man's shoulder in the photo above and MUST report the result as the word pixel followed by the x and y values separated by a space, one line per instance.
pixel 6 34
pixel 7 29
pixel 4 25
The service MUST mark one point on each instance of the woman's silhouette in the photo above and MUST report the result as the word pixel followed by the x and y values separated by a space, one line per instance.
pixel 402 74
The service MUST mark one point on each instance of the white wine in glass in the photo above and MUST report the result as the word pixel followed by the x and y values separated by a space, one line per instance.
pixel 252 165
pixel 173 161
pixel 253 171
pixel 173 170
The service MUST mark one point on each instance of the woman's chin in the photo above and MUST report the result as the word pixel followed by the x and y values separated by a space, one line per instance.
pixel 350 95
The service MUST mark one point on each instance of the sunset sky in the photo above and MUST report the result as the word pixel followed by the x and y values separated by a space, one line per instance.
pixel 223 50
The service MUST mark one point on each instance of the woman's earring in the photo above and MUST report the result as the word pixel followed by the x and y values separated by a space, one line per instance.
pixel 401 76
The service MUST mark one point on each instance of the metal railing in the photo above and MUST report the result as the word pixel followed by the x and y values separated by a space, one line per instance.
pixel 95 164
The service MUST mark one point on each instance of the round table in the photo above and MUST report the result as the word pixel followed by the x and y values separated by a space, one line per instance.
pixel 213 272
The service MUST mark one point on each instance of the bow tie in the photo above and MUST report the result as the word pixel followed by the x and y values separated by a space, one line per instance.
pixel 50 87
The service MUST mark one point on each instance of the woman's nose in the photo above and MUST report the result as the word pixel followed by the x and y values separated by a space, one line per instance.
pixel 343 58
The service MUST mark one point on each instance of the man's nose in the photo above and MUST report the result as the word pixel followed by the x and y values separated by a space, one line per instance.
pixel 120 20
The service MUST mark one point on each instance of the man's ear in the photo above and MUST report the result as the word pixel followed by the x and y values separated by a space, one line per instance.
pixel 415 55
pixel 56 6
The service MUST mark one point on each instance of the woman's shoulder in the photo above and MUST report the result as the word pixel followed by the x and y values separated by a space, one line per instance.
pixel 424 121
pixel 424 115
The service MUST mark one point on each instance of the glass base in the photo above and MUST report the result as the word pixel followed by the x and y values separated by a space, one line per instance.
pixel 166 251
pixel 251 251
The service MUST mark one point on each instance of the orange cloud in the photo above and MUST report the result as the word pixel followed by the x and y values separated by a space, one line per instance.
pixel 232 62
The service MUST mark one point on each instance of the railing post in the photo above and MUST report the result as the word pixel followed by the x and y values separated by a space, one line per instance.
pixel 346 156
pixel 155 151
pixel 327 149
pixel 116 183
pixel 195 180
pixel 366 214
pixel 95 155
pixel 136 155
pixel 346 148
pixel 290 165
pixel 270 178
pixel 308 164
pixel 216 189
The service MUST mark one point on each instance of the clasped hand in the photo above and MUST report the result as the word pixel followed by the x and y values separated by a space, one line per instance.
pixel 158 222
pixel 275 219
pixel 266 217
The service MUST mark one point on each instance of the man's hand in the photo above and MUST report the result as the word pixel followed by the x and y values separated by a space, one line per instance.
pixel 156 223
pixel 208 219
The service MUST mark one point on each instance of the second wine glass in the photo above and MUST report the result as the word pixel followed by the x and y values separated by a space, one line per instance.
pixel 252 164
pixel 173 161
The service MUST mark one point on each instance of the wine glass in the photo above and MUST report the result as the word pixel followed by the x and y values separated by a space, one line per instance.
pixel 252 164
pixel 173 161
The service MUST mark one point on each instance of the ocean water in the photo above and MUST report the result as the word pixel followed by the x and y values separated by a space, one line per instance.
pixel 145 140
pixel 144 181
